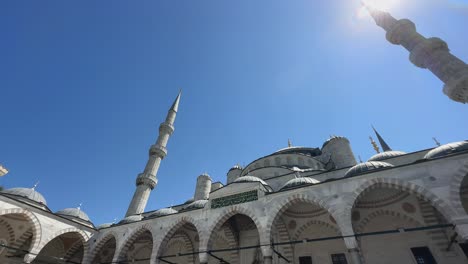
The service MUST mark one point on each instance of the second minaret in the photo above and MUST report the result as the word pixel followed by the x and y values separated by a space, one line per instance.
pixel 146 181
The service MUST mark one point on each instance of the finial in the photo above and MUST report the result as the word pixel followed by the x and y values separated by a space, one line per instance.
pixel 289 143
pixel 35 185
pixel 175 105
pixel 360 160
pixel 79 206
pixel 382 142
pixel 376 148
pixel 436 141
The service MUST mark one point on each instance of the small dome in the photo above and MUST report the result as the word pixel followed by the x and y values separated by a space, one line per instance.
pixel 386 155
pixel 299 181
pixel 447 149
pixel 195 205
pixel 367 166
pixel 73 213
pixel 249 178
pixel 163 211
pixel 131 219
pixel 28 193
pixel 236 167
pixel 106 225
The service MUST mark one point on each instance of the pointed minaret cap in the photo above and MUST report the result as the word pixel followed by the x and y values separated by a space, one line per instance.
pixel 175 105
pixel 382 142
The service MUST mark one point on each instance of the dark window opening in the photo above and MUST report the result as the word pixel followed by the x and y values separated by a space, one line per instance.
pixel 423 255
pixel 305 260
pixel 339 258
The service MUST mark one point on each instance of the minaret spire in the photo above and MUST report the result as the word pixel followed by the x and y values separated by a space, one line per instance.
pixel 426 53
pixel 146 181
pixel 382 142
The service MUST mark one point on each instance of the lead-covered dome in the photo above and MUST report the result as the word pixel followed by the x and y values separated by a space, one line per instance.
pixel 28 193
pixel 366 167
pixel 195 205
pixel 162 212
pixel 249 178
pixel 447 149
pixel 73 213
pixel 386 155
pixel 299 182
pixel 131 219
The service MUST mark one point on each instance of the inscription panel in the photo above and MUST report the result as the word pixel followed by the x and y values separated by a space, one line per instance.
pixel 237 198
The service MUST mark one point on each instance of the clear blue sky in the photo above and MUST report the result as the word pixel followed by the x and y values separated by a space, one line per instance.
pixel 85 84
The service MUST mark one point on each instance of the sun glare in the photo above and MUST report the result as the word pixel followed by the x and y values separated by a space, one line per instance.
pixel 384 5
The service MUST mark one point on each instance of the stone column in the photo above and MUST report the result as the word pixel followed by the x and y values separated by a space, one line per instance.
pixel 267 253
pixel 353 250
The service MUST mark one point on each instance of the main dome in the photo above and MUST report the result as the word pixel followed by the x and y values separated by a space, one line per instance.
pixel 366 167
pixel 386 155
pixel 74 213
pixel 28 193
pixel 447 149
pixel 299 181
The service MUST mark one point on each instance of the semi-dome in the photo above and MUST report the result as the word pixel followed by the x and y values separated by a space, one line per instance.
pixel 28 193
pixel 366 167
pixel 447 149
pixel 386 155
pixel 162 212
pixel 105 225
pixel 73 213
pixel 131 219
pixel 195 205
pixel 249 178
pixel 299 181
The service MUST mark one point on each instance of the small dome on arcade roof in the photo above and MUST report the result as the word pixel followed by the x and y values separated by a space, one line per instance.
pixel 386 155
pixel 74 213
pixel 28 193
pixel 106 225
pixel 162 212
pixel 299 182
pixel 366 167
pixel 131 219
pixel 447 149
pixel 195 205
pixel 249 178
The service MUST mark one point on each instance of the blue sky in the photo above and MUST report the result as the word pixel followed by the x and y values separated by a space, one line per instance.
pixel 85 84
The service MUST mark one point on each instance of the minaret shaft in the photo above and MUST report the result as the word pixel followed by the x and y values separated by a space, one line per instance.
pixel 428 53
pixel 147 180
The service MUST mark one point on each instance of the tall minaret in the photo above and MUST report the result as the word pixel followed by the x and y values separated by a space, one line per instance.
pixel 430 53
pixel 147 180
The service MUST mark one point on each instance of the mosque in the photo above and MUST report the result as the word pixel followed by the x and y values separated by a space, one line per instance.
pixel 296 205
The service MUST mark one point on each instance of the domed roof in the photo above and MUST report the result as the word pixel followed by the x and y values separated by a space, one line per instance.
pixel 299 150
pixel 299 181
pixel 163 211
pixel 28 193
pixel 249 178
pixel 74 213
pixel 106 225
pixel 195 205
pixel 386 155
pixel 367 166
pixel 131 219
pixel 447 149
pixel 236 167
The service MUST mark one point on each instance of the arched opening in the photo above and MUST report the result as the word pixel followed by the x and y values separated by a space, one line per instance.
pixel 68 247
pixel 105 250
pixel 396 226
pixel 138 248
pixel 464 193
pixel 239 231
pixel 315 232
pixel 16 233
pixel 180 244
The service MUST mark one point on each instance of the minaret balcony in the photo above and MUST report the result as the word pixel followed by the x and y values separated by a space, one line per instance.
pixel 158 150
pixel 166 127
pixel 147 179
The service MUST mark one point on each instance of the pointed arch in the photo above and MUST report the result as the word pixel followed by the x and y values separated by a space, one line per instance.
pixel 122 251
pixel 99 245
pixel 313 222
pixel 385 212
pixel 455 188
pixel 81 234
pixel 445 209
pixel 36 226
